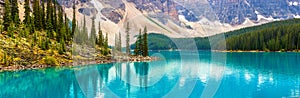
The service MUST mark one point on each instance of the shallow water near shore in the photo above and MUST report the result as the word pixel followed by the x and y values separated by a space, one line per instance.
pixel 177 74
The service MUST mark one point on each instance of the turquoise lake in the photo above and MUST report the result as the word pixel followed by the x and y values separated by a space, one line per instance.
pixel 179 74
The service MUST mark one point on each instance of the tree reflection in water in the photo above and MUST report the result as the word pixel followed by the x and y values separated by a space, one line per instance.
pixel 142 69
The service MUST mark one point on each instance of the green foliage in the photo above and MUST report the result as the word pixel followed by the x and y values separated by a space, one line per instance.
pixel 127 39
pixel 259 27
pixel 43 33
pixel 11 30
pixel 15 12
pixel 67 29
pixel 105 52
pixel 118 42
pixel 49 60
pixel 136 51
pixel 7 19
pixel 4 59
pixel 274 38
pixel 141 45
pixel 77 34
pixel 34 39
pixel 60 30
pixel 106 43
pixel 42 15
pixel 62 47
pixel 138 47
pixel 27 16
pixel 74 19
pixel 100 37
pixel 49 25
pixel 1 26
pixel 145 43
pixel 93 34
pixel 25 33
pixel 84 31
pixel 81 34
pixel 36 14
pixel 54 14
pixel 44 43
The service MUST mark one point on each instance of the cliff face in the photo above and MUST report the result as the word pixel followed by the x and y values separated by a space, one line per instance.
pixel 166 7
pixel 233 12
pixel 236 11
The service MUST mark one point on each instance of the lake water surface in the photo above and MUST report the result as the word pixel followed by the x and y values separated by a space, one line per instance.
pixel 179 74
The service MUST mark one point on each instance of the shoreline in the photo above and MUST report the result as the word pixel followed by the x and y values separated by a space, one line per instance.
pixel 110 59
pixel 101 60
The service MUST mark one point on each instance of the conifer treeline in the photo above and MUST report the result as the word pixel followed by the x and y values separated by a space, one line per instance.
pixel 45 32
pixel 81 36
pixel 275 38
pixel 141 45
pixel 49 26
pixel 53 20
pixel 118 42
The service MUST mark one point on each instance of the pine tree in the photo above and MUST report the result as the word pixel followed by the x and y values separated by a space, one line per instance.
pixel 60 31
pixel 116 43
pixel 100 36
pixel 139 44
pixel 145 43
pixel 49 16
pixel 74 19
pixel 54 19
pixel 42 17
pixel 11 29
pixel 36 14
pixel 15 12
pixel 93 33
pixel 127 39
pixel 27 16
pixel 77 35
pixel 62 47
pixel 84 31
pixel 106 44
pixel 7 15
pixel 120 42
pixel 136 49
pixel 68 33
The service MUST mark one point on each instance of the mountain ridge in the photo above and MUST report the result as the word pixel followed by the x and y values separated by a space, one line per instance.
pixel 180 18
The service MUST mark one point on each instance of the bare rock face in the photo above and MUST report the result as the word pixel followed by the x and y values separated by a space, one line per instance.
pixel 88 11
pixel 236 11
pixel 114 10
pixel 167 7
pixel 112 14
pixel 233 12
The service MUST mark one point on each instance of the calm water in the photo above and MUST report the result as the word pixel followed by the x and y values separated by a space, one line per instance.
pixel 178 74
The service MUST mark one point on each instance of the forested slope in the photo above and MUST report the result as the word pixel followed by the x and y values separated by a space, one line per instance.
pixel 275 36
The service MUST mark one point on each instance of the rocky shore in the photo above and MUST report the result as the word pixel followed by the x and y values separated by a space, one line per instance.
pixel 81 62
